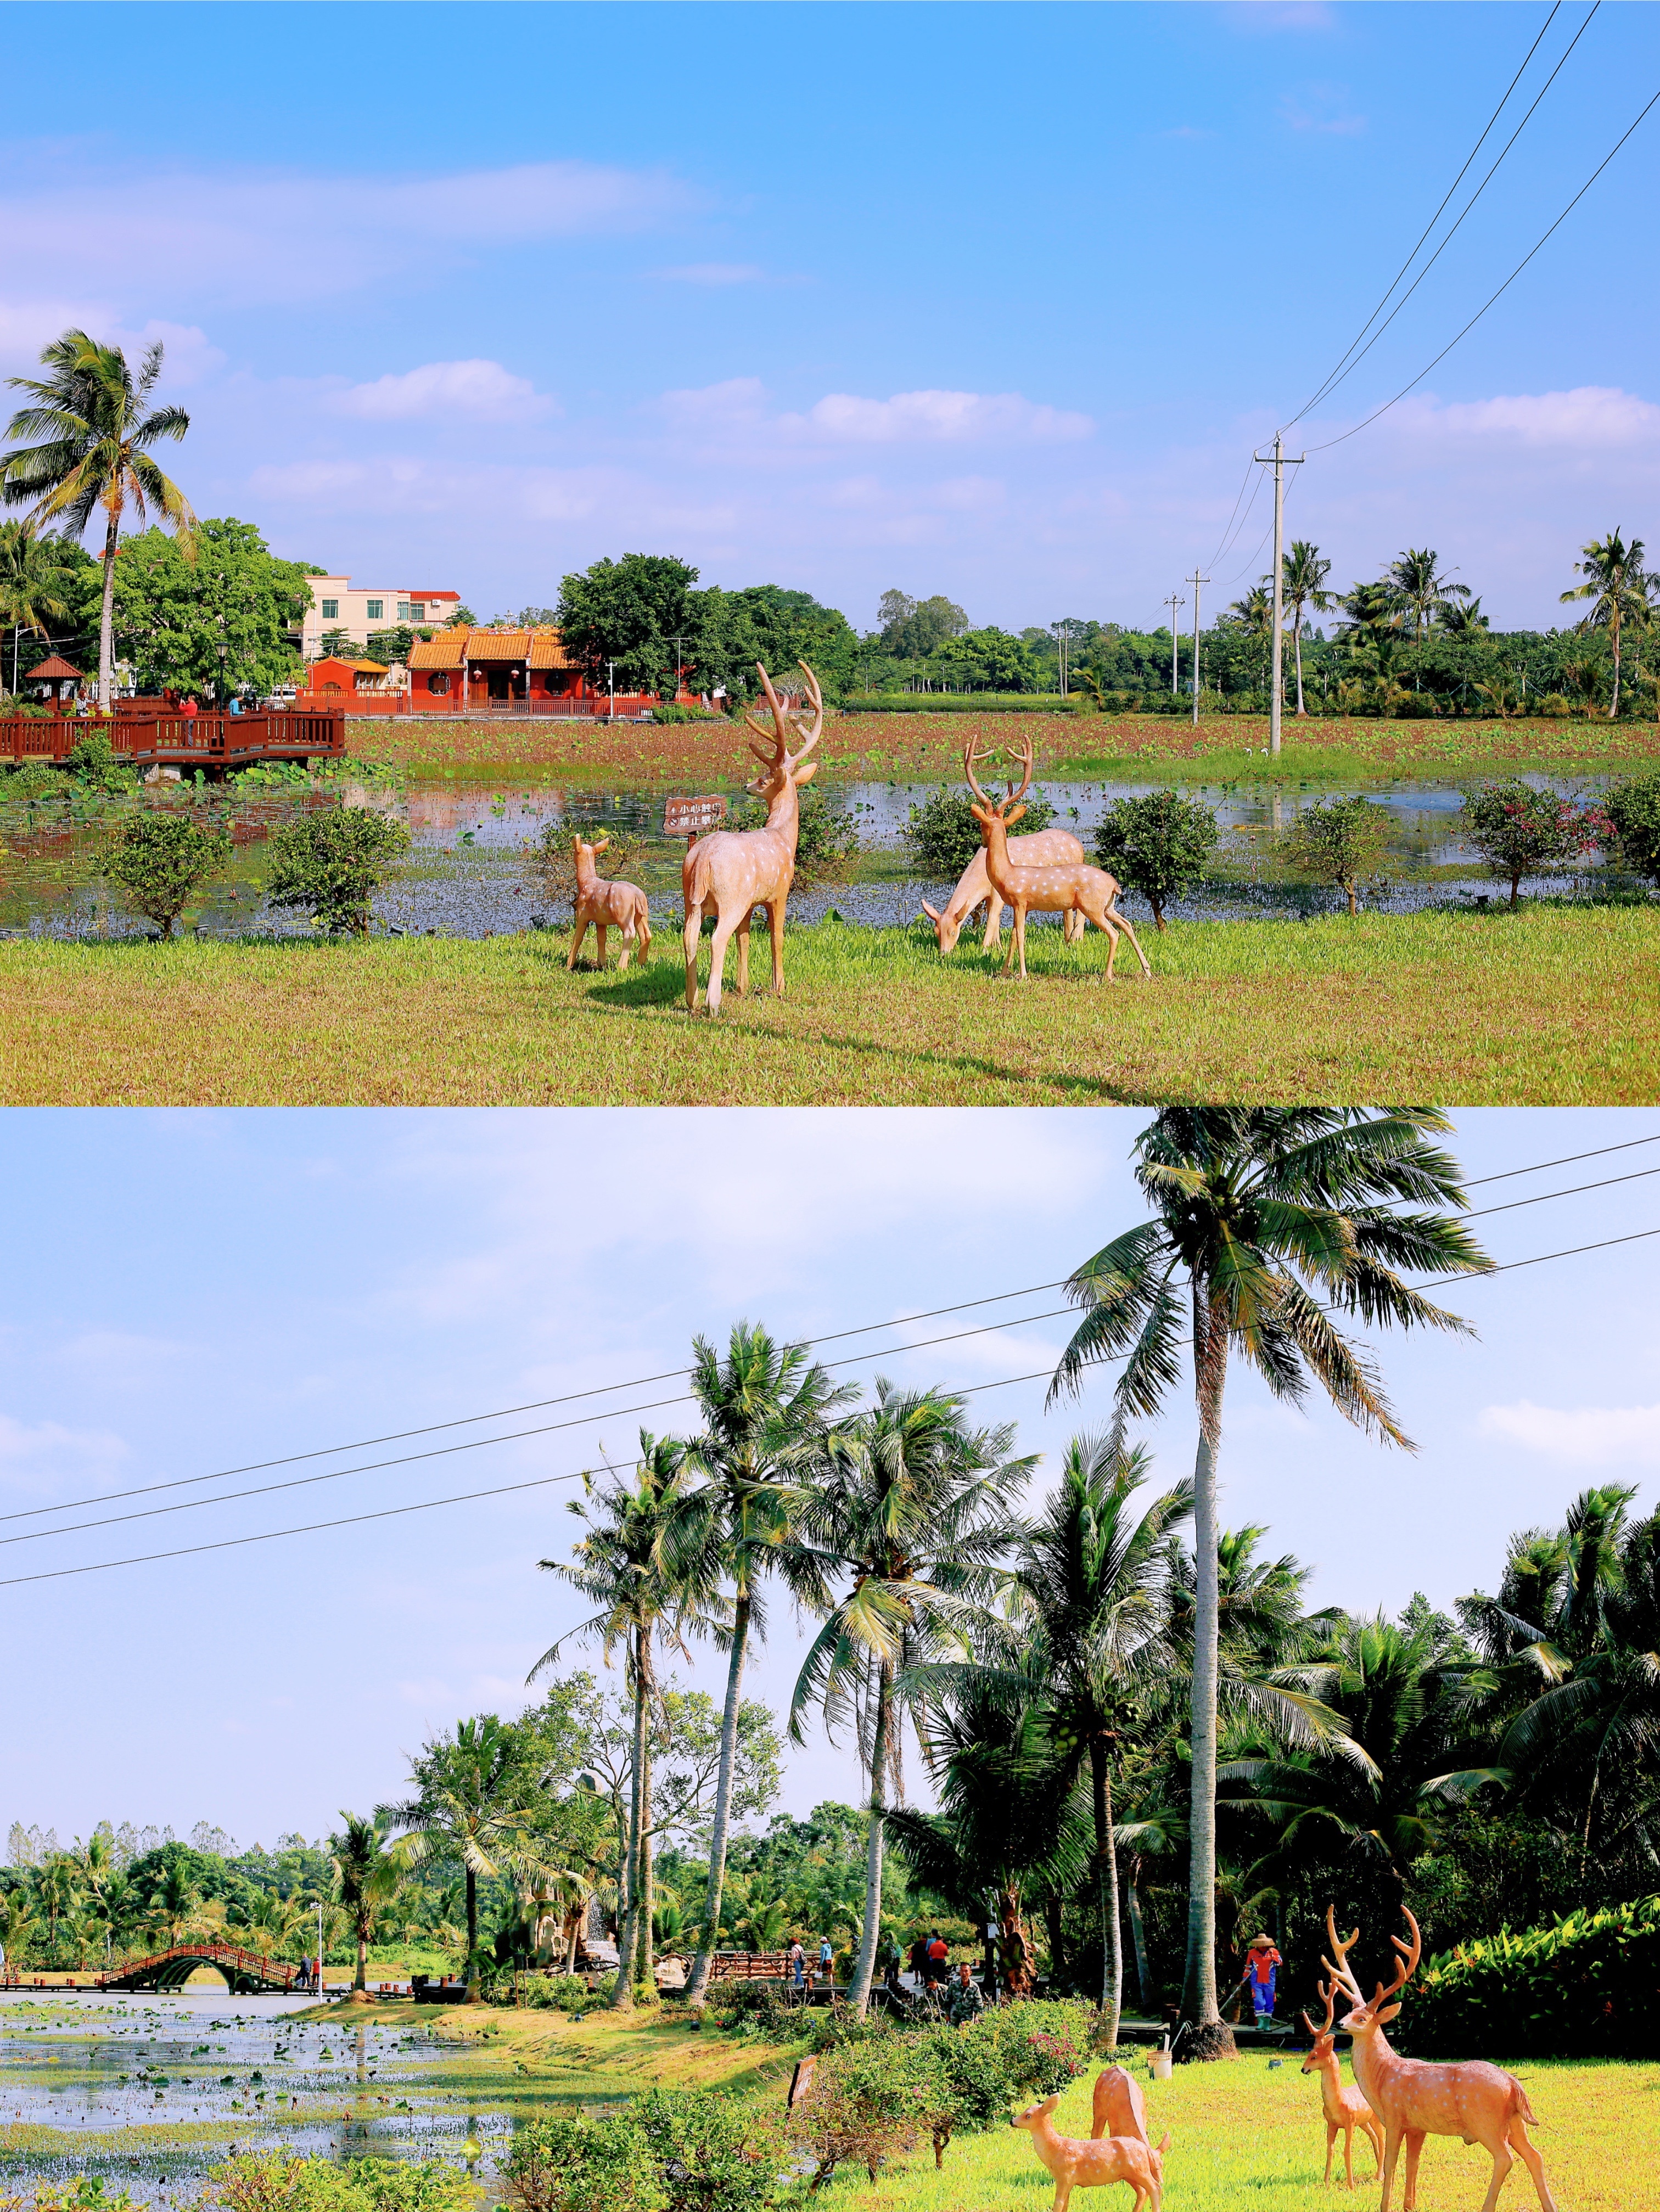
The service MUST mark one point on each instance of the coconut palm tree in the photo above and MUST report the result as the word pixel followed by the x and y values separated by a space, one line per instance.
pixel 1619 590
pixel 366 1877
pixel 33 582
pixel 1266 1219
pixel 1464 619
pixel 1418 588
pixel 1373 611
pixel 766 1410
pixel 1304 585
pixel 95 428
pixel 1090 1578
pixel 476 1801
pixel 913 1510
pixel 1255 615
pixel 650 1561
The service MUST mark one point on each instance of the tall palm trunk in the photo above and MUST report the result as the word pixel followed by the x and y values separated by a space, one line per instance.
pixel 1106 1881
pixel 472 1941
pixel 1138 1937
pixel 1297 643
pixel 106 612
pixel 361 1981
pixel 644 1962
pixel 622 1994
pixel 1614 708
pixel 1208 2038
pixel 697 1986
pixel 858 1995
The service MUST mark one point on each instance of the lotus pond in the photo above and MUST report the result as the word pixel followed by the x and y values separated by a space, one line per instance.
pixel 471 871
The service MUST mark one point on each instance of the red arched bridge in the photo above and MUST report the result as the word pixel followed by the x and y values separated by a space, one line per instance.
pixel 247 1972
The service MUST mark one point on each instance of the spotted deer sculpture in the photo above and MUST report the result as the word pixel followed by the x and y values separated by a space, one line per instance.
pixel 607 906
pixel 1095 2163
pixel 1044 848
pixel 1117 2107
pixel 1412 2098
pixel 1346 2108
pixel 731 873
pixel 1075 888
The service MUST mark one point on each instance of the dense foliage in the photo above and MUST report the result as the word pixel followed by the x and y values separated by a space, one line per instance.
pixel 1521 830
pixel 1583 1989
pixel 216 622
pixel 692 2150
pixel 944 836
pixel 159 859
pixel 329 864
pixel 1158 843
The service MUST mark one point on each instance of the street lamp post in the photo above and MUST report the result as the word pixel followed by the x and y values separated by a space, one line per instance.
pixel 611 676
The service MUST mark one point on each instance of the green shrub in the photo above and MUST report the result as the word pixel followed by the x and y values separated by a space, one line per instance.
pixel 943 835
pixel 558 1992
pixel 159 859
pixel 1158 845
pixel 959 703
pixel 32 779
pixel 1583 1989
pixel 329 865
pixel 1632 807
pixel 583 2166
pixel 870 2102
pixel 771 2007
pixel 669 711
pixel 695 2150
pixel 94 763
pixel 283 2181
pixel 1338 841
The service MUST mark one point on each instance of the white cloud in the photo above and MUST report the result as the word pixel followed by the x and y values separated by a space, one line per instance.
pixel 937 418
pixel 715 272
pixel 1587 1436
pixel 37 1458
pixel 474 391
pixel 1321 108
pixel 1591 415
pixel 281 236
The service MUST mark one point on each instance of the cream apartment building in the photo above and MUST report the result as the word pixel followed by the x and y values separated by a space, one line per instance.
pixel 338 604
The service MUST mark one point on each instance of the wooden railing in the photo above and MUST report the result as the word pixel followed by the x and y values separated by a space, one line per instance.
pixel 749 1967
pixel 170 739
pixel 232 1955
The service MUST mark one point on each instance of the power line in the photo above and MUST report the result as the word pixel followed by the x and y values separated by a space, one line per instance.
pixel 673 1375
pixel 1497 295
pixel 1343 371
pixel 542 1482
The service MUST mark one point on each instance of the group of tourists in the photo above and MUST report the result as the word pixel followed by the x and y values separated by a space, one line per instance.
pixel 310 1975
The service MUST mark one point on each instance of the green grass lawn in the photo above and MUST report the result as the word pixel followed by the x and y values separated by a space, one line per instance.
pixel 1243 2136
pixel 1550 1005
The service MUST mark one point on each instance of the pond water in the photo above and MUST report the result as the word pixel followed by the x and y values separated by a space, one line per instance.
pixel 469 872
pixel 149 2091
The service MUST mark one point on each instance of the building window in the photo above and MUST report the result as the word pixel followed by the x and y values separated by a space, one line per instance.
pixel 331 610
pixel 439 680
pixel 374 610
pixel 417 611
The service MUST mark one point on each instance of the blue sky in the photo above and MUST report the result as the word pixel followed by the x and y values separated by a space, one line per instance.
pixel 192 1291
pixel 993 301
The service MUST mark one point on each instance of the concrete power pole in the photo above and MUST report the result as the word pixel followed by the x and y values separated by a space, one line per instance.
pixel 1280 460
pixel 1195 580
pixel 1173 602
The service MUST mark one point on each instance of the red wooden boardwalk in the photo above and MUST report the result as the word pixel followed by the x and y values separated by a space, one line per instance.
pixel 165 738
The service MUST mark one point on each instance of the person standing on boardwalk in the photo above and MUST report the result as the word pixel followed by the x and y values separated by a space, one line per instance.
pixel 1262 1961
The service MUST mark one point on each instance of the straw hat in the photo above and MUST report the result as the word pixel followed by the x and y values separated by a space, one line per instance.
pixel 1262 1943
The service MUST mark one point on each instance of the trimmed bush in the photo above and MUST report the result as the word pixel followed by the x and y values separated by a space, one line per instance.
pixel 1159 844
pixel 330 864
pixel 943 835
pixel 1337 841
pixel 282 2181
pixel 695 2150
pixel 555 1992
pixel 1584 1989
pixel 1632 807
pixel 1520 831
pixel 158 860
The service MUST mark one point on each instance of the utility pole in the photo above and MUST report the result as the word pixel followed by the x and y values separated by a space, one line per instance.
pixel 611 669
pixel 1173 602
pixel 1280 458
pixel 1195 580
pixel 1062 631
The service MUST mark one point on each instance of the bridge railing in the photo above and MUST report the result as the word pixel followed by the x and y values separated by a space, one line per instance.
pixel 210 1954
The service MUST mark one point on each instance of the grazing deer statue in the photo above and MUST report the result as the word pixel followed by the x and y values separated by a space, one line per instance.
pixel 1481 2103
pixel 732 872
pixel 1344 2108
pixel 1096 2163
pixel 607 906
pixel 1074 889
pixel 1044 848
pixel 1118 2108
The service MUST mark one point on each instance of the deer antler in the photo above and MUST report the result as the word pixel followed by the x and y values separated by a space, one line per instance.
pixel 1339 1967
pixel 1406 1961
pixel 1328 1997
pixel 778 737
pixel 971 753
pixel 1023 754
pixel 809 736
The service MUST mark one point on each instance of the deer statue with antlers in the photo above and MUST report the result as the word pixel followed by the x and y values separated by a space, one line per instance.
pixel 1344 2108
pixel 1075 888
pixel 1044 848
pixel 1481 2103
pixel 732 872
pixel 607 906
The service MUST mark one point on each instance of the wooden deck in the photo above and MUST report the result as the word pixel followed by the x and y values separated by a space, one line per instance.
pixel 209 742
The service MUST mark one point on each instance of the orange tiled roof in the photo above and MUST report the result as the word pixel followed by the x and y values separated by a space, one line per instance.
pixel 547 650
pixel 446 650
pixel 498 644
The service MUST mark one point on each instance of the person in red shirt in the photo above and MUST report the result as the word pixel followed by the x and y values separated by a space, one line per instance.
pixel 939 1957
pixel 1262 1961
